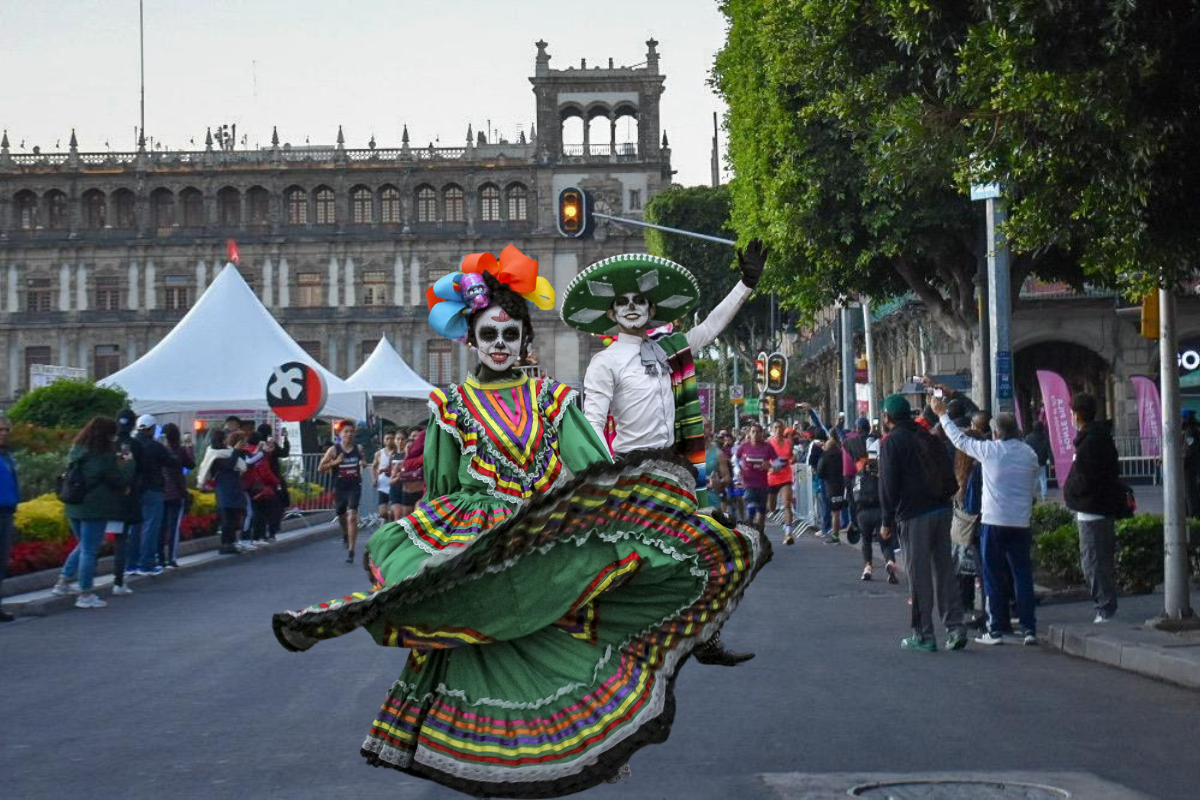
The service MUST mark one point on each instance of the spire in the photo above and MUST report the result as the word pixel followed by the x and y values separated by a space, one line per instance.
pixel 404 136
pixel 208 139
pixel 470 136
pixel 666 144
pixel 4 141
pixel 542 63
pixel 652 56
pixel 141 141
pixel 274 136
pixel 533 131
pixel 371 144
pixel 341 139
pixel 74 143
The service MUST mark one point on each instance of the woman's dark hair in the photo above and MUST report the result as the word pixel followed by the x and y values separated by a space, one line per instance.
pixel 216 438
pixel 97 435
pixel 512 304
pixel 171 432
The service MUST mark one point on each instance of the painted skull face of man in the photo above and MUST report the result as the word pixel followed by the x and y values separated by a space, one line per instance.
pixel 498 338
pixel 631 311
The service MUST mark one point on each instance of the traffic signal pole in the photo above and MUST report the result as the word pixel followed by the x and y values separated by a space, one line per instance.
pixel 1176 591
pixel 679 231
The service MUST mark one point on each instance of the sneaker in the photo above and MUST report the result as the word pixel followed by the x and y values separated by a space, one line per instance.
pixel 262 542
pixel 1029 638
pixel 63 589
pixel 349 556
pixel 990 638
pixel 122 590
pixel 247 546
pixel 891 571
pixel 1101 618
pixel 89 601
pixel 789 538
pixel 172 564
pixel 866 575
pixel 153 571
pixel 832 538
pixel 917 643
pixel 957 640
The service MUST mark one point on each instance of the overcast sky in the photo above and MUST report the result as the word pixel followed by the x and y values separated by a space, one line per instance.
pixel 309 66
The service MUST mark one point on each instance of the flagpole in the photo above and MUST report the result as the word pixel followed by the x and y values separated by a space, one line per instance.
pixel 142 70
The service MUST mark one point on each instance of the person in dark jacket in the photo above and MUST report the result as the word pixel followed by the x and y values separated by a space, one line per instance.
pixel 143 538
pixel 276 450
pixel 829 470
pixel 915 493
pixel 1040 442
pixel 867 515
pixel 1094 492
pixel 223 467
pixel 125 556
pixel 175 495
pixel 10 495
pixel 107 478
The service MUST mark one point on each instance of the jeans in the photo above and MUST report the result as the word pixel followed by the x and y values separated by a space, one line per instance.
pixel 231 524
pixel 1008 550
pixel 143 536
pixel 868 521
pixel 261 510
pixel 168 537
pixel 1097 555
pixel 7 533
pixel 925 543
pixel 82 561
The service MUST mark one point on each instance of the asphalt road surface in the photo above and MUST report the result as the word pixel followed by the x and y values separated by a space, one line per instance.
pixel 181 691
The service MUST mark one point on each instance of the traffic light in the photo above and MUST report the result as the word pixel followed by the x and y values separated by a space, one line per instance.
pixel 770 407
pixel 1150 316
pixel 574 216
pixel 777 366
pixel 760 373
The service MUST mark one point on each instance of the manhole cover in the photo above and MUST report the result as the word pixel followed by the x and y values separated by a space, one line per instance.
pixel 958 789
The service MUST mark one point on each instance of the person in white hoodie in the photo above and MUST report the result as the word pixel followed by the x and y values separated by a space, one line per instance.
pixel 1010 471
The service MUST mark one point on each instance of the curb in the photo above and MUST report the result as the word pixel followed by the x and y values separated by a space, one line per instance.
pixel 1152 660
pixel 43 603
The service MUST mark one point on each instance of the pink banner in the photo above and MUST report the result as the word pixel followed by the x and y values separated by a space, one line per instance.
pixel 1060 425
pixel 1149 411
pixel 1017 411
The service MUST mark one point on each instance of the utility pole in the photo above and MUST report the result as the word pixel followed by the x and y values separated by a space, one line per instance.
pixel 737 410
pixel 716 160
pixel 1176 592
pixel 868 341
pixel 849 401
pixel 999 299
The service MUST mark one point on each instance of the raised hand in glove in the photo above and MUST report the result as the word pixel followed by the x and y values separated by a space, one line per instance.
pixel 752 258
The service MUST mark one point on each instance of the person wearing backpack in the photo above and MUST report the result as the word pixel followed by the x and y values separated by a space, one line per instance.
pixel 916 482
pixel 868 516
pixel 100 479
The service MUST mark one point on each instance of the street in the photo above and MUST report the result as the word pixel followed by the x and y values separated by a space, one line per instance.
pixel 182 691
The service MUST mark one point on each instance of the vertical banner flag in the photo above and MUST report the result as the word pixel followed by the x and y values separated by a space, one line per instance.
pixel 707 393
pixel 1149 411
pixel 1060 426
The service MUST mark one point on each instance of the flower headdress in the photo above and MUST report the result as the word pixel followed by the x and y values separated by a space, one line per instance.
pixel 453 297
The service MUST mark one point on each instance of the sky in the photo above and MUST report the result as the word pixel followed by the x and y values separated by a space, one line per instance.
pixel 306 66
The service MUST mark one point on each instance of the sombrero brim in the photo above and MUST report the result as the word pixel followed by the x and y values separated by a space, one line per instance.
pixel 673 290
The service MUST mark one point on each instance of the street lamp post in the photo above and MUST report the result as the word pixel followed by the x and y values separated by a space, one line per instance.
pixel 999 299
pixel 1176 592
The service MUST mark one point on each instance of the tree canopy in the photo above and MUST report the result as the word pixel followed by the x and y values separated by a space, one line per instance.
pixel 67 404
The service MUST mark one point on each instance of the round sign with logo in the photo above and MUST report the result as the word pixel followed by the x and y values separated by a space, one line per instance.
pixel 296 392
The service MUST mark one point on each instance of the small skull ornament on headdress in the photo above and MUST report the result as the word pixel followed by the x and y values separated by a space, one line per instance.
pixel 474 291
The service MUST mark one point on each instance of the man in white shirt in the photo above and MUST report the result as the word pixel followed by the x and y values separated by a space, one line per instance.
pixel 1010 471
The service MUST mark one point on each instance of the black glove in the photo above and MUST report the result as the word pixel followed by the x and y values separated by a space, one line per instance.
pixel 752 259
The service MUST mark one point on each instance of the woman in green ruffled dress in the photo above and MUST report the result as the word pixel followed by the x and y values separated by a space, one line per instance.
pixel 546 595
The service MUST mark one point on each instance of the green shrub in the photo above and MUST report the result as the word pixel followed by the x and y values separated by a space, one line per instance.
pixel 41 520
pixel 38 471
pixel 67 404
pixel 1049 517
pixel 1056 552
pixel 35 439
pixel 1140 553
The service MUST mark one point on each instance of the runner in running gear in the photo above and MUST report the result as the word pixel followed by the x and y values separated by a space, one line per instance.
pixel 345 461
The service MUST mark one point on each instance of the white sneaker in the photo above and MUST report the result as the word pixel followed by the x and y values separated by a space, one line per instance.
pixel 89 601
pixel 990 638
pixel 122 590
pixel 64 589
pixel 1101 618
pixel 245 546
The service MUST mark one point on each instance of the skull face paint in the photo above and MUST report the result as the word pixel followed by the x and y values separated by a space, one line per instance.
pixel 631 311
pixel 498 339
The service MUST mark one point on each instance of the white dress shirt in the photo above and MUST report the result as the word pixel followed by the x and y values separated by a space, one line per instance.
pixel 642 405
pixel 1010 472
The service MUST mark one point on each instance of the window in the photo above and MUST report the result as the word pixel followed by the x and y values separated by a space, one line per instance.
pixel 365 348
pixel 38 296
pixel 312 348
pixel 438 362
pixel 389 201
pixel 176 292
pixel 426 204
pixel 309 285
pixel 193 208
pixel 297 206
pixel 56 211
pixel 106 359
pixel 489 203
pixel 361 212
pixel 374 287
pixel 454 204
pixel 35 356
pixel 635 199
pixel 325 212
pixel 258 201
pixel 229 207
pixel 95 210
pixel 26 210
pixel 126 209
pixel 108 292
pixel 162 210
pixel 518 199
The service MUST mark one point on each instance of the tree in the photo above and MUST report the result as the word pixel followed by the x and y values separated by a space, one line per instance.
pixel 856 129
pixel 67 404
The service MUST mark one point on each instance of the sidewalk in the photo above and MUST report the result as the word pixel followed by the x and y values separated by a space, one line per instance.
pixel 41 602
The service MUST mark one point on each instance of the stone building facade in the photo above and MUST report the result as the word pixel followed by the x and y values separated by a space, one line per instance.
pixel 101 254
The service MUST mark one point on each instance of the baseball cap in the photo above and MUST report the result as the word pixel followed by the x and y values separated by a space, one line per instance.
pixel 146 421
pixel 897 406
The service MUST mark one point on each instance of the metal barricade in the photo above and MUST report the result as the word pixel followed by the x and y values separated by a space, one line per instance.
pixel 808 510
pixel 310 491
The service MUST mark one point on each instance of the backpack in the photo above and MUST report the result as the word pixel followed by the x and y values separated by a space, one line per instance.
pixel 866 490
pixel 71 486
pixel 937 470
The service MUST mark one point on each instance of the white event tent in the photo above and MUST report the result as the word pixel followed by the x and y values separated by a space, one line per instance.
pixel 386 374
pixel 220 356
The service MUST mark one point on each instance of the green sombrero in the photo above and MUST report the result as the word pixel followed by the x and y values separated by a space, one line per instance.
pixel 668 285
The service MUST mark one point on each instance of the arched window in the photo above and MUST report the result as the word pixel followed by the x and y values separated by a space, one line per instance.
pixel 627 130
pixel 162 209
pixel 489 203
pixel 229 207
pixel 426 204
pixel 361 202
pixel 56 210
pixel 25 210
pixel 518 203
pixel 193 208
pixel 125 207
pixel 454 204
pixel 324 206
pixel 571 131
pixel 296 200
pixel 258 206
pixel 600 133
pixel 95 210
pixel 389 205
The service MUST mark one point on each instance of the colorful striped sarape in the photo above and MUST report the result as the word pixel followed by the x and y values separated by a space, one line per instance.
pixel 545 635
